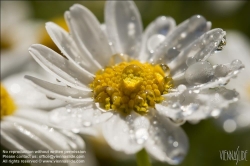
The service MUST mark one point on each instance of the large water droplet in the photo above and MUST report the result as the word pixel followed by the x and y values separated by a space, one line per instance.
pixel 236 64
pixel 190 61
pixel 200 72
pixel 181 87
pixel 221 71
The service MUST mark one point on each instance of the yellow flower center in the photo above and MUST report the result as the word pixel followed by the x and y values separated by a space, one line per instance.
pixel 7 104
pixel 131 86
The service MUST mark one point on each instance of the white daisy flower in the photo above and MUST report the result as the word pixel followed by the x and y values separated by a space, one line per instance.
pixel 27 129
pixel 237 115
pixel 17 33
pixel 134 82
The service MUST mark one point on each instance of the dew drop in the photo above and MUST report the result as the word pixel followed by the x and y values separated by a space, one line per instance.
pixel 236 64
pixel 165 68
pixel 221 71
pixel 181 87
pixel 50 98
pixel 86 123
pixel 75 130
pixel 198 73
pixel 190 61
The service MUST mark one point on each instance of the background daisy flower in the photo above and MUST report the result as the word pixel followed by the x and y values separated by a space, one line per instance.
pixel 27 129
pixel 17 33
pixel 165 75
pixel 236 116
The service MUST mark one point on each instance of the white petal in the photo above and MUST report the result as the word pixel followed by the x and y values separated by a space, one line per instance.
pixel 35 136
pixel 8 58
pixel 10 143
pixel 66 44
pixel 60 92
pixel 199 50
pixel 237 46
pixel 124 27
pixel 60 67
pixel 167 142
pixel 78 117
pixel 161 25
pixel 116 132
pixel 197 104
pixel 203 75
pixel 154 41
pixel 86 30
pixel 94 65
pixel 182 36
pixel 31 135
pixel 26 95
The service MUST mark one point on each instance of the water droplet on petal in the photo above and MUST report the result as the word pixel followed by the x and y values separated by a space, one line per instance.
pixel 181 87
pixel 190 61
pixel 86 123
pixel 221 71
pixel 200 72
pixel 75 130
pixel 50 98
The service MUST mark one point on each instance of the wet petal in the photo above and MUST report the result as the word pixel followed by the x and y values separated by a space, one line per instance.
pixel 94 65
pixel 199 50
pixel 124 27
pixel 160 26
pixel 167 142
pixel 60 67
pixel 33 135
pixel 203 75
pixel 68 47
pixel 87 33
pixel 78 117
pixel 197 104
pixel 18 88
pixel 119 135
pixel 64 93
pixel 182 36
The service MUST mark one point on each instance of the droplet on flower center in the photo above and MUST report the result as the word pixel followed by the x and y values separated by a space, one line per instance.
pixel 7 104
pixel 131 86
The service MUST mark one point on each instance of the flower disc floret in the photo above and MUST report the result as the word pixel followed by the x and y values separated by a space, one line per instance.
pixel 131 86
pixel 7 104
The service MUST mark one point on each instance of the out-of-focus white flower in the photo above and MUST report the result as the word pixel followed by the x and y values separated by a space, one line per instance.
pixel 224 8
pixel 27 129
pixel 17 33
pixel 165 76
pixel 237 115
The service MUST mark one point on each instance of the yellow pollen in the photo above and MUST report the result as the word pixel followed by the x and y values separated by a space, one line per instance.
pixel 248 90
pixel 131 86
pixel 7 104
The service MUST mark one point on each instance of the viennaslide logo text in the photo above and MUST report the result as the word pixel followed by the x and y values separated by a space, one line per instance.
pixel 233 155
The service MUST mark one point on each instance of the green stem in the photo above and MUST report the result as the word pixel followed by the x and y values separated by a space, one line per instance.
pixel 142 158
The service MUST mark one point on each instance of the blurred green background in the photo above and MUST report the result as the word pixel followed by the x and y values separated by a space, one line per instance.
pixel 206 138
